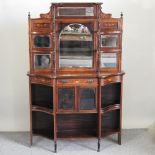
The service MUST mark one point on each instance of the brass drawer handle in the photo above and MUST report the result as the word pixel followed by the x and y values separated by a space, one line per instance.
pixel 90 81
pixel 64 81
pixel 109 80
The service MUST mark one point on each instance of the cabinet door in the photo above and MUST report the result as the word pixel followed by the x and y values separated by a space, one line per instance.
pixel 66 99
pixel 87 98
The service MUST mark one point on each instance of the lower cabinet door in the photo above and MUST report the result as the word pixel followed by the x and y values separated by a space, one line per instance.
pixel 87 98
pixel 66 99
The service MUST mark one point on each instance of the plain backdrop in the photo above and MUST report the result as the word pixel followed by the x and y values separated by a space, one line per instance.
pixel 138 60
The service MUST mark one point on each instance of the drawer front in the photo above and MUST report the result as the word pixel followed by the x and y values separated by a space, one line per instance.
pixel 112 79
pixel 77 82
pixel 39 80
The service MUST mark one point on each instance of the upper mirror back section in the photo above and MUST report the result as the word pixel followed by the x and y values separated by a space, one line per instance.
pixel 75 46
pixel 75 11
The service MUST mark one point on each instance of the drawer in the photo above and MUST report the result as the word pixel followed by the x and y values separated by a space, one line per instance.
pixel 111 79
pixel 77 82
pixel 39 80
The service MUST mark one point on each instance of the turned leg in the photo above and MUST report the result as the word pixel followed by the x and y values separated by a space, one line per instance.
pixel 119 138
pixel 31 139
pixel 98 148
pixel 55 147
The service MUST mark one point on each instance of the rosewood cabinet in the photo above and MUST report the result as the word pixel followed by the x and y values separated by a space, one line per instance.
pixel 75 76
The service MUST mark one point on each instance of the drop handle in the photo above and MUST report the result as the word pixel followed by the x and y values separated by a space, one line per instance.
pixel 64 81
pixel 90 81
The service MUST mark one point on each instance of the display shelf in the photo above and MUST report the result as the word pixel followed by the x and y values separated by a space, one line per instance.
pixel 42 109
pixel 110 108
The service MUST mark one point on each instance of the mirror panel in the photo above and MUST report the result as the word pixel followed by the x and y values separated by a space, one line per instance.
pixel 110 41
pixel 41 41
pixel 75 11
pixel 42 61
pixel 108 60
pixel 76 47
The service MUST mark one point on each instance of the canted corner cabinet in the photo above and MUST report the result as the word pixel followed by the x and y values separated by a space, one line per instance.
pixel 75 76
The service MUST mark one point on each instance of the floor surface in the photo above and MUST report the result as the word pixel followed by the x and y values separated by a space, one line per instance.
pixel 134 142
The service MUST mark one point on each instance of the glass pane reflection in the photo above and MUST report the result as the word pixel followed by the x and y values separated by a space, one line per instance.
pixel 42 61
pixel 75 11
pixel 108 60
pixel 109 41
pixel 41 41
pixel 76 46
pixel 66 98
pixel 87 98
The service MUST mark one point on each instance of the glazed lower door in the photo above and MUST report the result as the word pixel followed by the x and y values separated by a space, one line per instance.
pixel 66 99
pixel 87 99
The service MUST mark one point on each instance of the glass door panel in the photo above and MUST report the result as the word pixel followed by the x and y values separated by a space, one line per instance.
pixel 75 47
pixel 108 60
pixel 87 99
pixel 109 41
pixel 66 98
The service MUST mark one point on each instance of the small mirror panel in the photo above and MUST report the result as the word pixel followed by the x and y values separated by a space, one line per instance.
pixel 110 41
pixel 108 60
pixel 41 41
pixel 42 61
pixel 75 11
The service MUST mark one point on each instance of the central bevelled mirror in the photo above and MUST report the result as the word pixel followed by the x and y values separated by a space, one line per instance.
pixel 75 47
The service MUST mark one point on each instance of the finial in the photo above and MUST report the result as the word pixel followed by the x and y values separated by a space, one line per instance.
pixel 121 14
pixel 29 14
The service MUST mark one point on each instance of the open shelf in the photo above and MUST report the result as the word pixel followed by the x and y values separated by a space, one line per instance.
pixel 78 112
pixel 42 124
pixel 42 109
pixel 77 125
pixel 110 108
pixel 42 97
pixel 110 122
pixel 110 95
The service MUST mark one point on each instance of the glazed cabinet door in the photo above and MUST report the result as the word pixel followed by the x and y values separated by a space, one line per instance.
pixel 87 99
pixel 66 99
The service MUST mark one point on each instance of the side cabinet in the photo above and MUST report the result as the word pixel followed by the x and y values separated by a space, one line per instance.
pixel 41 107
pixel 110 119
